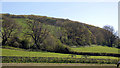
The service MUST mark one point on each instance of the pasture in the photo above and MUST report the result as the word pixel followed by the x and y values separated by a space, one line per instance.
pixel 96 49
pixel 21 52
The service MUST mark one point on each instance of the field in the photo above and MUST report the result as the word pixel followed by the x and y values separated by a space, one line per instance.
pixel 20 52
pixel 97 49
pixel 17 55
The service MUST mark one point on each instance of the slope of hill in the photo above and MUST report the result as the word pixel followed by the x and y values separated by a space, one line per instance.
pixel 62 33
pixel 34 37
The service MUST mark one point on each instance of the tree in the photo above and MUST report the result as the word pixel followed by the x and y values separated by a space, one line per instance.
pixel 37 32
pixel 109 28
pixel 9 28
pixel 78 34
pixel 109 35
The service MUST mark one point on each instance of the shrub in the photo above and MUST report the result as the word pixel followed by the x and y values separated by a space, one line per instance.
pixel 14 42
pixel 53 44
pixel 13 59
pixel 24 44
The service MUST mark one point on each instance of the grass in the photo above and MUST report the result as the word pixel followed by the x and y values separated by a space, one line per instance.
pixel 21 52
pixel 53 29
pixel 21 21
pixel 9 52
pixel 96 49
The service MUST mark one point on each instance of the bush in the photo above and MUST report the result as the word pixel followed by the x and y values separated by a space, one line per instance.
pixel 16 42
pixel 15 59
pixel 25 44
pixel 62 49
pixel 55 45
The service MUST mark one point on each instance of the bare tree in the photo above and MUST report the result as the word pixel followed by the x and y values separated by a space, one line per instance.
pixel 109 34
pixel 37 32
pixel 109 28
pixel 9 28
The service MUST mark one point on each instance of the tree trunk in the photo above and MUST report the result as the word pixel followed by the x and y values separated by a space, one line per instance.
pixel 4 41
pixel 36 43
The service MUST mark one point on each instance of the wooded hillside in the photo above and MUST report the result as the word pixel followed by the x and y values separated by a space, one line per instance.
pixel 53 34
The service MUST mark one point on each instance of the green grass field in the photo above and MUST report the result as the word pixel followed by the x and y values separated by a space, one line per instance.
pixel 97 49
pixel 21 52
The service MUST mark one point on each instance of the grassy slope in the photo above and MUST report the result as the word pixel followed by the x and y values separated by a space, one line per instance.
pixel 53 29
pixel 96 49
pixel 21 52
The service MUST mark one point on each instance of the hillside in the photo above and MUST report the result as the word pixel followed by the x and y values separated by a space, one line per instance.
pixel 41 39
pixel 53 34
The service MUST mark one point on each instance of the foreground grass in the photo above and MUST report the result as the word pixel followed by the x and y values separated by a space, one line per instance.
pixel 23 53
pixel 96 49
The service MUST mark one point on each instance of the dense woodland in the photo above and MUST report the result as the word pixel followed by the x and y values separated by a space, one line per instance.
pixel 53 34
